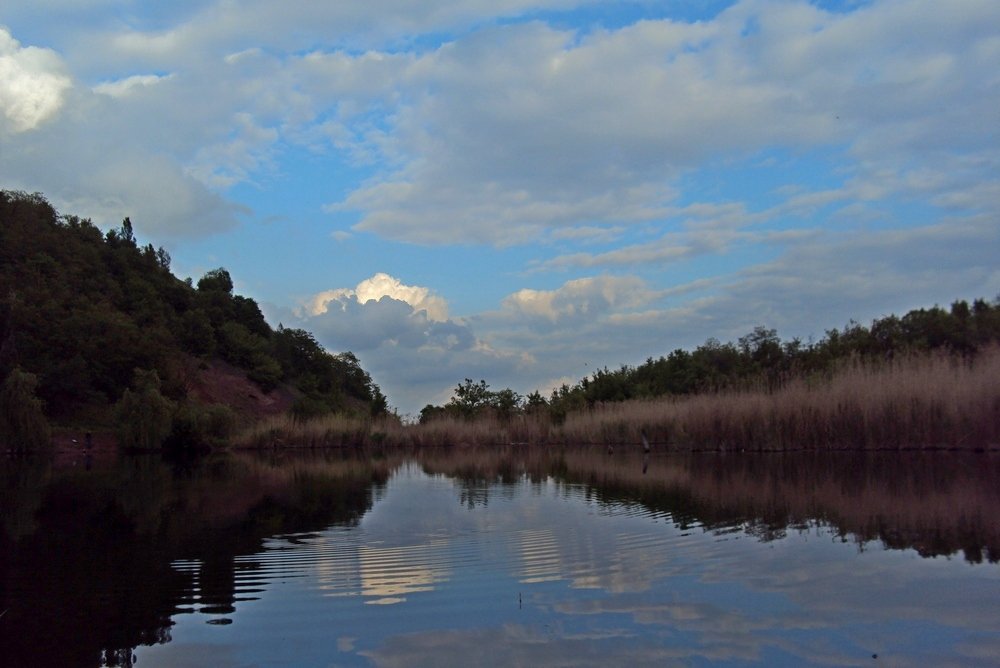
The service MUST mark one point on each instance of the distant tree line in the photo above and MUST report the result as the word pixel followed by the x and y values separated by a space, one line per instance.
pixel 82 311
pixel 758 359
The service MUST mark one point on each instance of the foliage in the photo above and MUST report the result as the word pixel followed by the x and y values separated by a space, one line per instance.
pixel 80 310
pixel 196 425
pixel 145 417
pixel 760 360
pixel 470 397
pixel 474 400
pixel 22 421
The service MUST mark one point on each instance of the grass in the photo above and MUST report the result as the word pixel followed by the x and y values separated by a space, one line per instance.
pixel 919 402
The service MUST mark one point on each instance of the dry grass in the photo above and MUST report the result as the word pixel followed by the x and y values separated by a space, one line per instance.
pixel 921 402
pixel 934 401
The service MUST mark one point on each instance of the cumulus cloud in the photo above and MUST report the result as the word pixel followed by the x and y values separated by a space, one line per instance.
pixel 104 157
pixel 380 285
pixel 33 83
pixel 404 336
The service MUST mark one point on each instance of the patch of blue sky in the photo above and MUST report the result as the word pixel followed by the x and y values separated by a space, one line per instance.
pixel 766 179
pixel 616 15
pixel 841 6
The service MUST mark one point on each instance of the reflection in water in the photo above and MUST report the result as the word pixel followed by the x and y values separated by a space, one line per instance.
pixel 389 574
pixel 517 556
pixel 96 563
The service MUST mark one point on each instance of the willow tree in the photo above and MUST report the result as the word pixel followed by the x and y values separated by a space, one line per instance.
pixel 22 421
pixel 144 415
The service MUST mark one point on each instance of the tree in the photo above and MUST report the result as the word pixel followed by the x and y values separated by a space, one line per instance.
pixel 507 403
pixel 470 397
pixel 217 280
pixel 430 412
pixel 144 415
pixel 163 258
pixel 22 419
pixel 123 236
pixel 536 403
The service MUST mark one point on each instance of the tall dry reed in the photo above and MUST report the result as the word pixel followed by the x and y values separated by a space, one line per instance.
pixel 936 401
pixel 917 402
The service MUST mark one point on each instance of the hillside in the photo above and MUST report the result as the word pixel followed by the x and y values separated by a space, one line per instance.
pixel 82 311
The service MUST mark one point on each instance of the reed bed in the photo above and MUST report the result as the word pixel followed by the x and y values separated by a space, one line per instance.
pixel 919 402
pixel 323 432
pixel 356 432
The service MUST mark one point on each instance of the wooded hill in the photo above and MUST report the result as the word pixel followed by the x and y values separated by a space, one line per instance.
pixel 82 311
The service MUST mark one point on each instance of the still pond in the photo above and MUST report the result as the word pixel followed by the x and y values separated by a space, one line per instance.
pixel 513 557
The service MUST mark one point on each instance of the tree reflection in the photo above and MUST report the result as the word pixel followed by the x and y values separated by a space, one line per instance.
pixel 934 503
pixel 86 556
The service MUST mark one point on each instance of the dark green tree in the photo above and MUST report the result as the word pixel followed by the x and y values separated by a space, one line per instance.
pixel 144 415
pixel 22 419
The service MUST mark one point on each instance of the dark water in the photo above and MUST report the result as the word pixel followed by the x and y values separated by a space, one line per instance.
pixel 512 558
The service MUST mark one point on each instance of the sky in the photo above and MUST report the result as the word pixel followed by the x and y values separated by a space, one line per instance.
pixel 525 192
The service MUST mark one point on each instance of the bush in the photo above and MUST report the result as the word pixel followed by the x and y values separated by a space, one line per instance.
pixel 307 407
pixel 196 425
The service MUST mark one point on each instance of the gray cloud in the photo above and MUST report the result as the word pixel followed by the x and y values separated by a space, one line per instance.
pixel 507 133
pixel 404 338
pixel 566 130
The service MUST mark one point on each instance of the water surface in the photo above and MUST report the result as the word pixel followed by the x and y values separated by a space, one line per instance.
pixel 512 558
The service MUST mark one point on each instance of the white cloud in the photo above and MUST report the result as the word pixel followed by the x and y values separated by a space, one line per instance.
pixel 567 130
pixel 404 337
pixel 420 299
pixel 507 135
pixel 584 298
pixel 33 84
pixel 122 87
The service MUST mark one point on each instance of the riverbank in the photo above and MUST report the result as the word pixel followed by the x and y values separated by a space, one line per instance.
pixel 921 402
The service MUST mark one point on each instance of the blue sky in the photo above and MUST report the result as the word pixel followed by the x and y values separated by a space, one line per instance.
pixel 525 191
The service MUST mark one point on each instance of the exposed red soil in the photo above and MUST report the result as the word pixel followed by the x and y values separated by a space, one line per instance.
pixel 217 382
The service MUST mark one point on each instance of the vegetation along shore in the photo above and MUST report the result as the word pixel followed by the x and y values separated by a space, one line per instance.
pixel 100 343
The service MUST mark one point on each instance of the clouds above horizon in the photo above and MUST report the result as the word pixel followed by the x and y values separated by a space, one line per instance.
pixel 621 178
pixel 568 127
pixel 404 337
pixel 32 83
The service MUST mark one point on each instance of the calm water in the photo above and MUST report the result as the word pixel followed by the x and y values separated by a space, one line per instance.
pixel 575 558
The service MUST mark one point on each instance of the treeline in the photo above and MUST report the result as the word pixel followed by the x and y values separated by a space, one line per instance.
pixel 759 360
pixel 86 316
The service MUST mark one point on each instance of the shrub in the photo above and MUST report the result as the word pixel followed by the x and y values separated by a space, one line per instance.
pixel 196 425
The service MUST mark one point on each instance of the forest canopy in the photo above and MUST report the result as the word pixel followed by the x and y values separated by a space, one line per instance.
pixel 81 311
